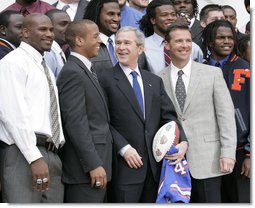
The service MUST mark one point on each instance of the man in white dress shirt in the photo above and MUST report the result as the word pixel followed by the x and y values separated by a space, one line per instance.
pixel 29 140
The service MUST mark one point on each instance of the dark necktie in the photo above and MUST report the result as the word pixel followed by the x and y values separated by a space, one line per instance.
pixel 137 90
pixel 24 11
pixel 54 117
pixel 111 51
pixel 167 57
pixel 93 72
pixel 217 64
pixel 66 7
pixel 180 91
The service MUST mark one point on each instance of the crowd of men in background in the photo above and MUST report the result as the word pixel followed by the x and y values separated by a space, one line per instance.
pixel 85 86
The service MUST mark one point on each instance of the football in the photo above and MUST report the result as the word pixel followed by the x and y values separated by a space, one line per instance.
pixel 165 137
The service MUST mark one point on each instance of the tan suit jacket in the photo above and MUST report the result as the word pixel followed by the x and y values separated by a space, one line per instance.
pixel 208 119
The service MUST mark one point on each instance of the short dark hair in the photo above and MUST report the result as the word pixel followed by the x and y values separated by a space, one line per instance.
pixel 209 34
pixel 175 26
pixel 75 29
pixel 208 8
pixel 145 23
pixel 51 12
pixel 5 17
pixel 94 8
pixel 228 7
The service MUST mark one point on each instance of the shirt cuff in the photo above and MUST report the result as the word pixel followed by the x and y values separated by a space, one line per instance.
pixel 124 149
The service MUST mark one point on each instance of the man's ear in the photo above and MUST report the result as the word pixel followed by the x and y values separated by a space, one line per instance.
pixel 79 41
pixel 203 24
pixel 25 32
pixel 152 20
pixel 3 30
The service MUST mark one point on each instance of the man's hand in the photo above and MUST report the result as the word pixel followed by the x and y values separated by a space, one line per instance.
pixel 98 175
pixel 40 173
pixel 227 165
pixel 246 167
pixel 177 157
pixel 133 159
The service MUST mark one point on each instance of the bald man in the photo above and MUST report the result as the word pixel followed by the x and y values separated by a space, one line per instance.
pixel 31 132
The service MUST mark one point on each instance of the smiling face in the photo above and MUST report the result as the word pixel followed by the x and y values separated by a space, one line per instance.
pixel 184 6
pixel 179 46
pixel 109 18
pixel 38 32
pixel 164 16
pixel 91 41
pixel 126 48
pixel 223 44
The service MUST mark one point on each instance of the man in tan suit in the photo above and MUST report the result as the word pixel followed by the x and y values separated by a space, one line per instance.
pixel 206 113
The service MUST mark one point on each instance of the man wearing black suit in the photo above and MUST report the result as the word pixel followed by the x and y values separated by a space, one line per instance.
pixel 135 120
pixel 87 155
pixel 74 8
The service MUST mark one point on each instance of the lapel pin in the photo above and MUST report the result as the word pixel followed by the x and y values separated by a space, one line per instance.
pixel 150 85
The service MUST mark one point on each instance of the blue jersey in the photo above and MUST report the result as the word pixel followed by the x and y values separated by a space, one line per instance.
pixel 175 182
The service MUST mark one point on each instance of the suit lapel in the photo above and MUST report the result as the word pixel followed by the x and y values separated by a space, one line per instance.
pixel 193 84
pixel 124 85
pixel 94 82
pixel 147 94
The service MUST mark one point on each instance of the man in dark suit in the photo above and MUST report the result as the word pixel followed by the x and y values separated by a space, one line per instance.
pixel 87 155
pixel 10 31
pixel 74 8
pixel 135 119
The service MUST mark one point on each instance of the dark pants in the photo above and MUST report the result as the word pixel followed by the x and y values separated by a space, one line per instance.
pixel 235 187
pixel 83 193
pixel 206 190
pixel 145 192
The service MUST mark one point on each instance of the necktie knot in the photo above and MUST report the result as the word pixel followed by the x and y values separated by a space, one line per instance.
pixel 134 74
pixel 66 7
pixel 180 73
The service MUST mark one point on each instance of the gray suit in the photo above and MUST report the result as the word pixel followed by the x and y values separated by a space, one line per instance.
pixel 207 119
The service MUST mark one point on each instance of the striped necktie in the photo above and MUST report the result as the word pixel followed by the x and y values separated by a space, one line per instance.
pixel 167 57
pixel 93 72
pixel 54 117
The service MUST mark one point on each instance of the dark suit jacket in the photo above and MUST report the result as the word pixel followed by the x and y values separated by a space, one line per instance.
pixel 103 61
pixel 5 48
pixel 85 120
pixel 129 125
pixel 196 32
pixel 80 10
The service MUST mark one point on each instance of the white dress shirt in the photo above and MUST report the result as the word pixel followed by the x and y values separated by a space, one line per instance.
pixel 25 100
pixel 127 72
pixel 54 58
pixel 185 77
pixel 83 59
pixel 154 51
pixel 71 11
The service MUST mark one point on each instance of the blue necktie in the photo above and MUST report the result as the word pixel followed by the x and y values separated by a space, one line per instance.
pixel 111 51
pixel 137 90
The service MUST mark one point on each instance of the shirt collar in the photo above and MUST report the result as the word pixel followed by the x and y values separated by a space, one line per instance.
pixel 105 38
pixel 13 46
pixel 221 62
pixel 31 51
pixel 127 70
pixel 158 39
pixel 84 60
pixel 186 69
pixel 192 22
pixel 30 8
pixel 72 6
